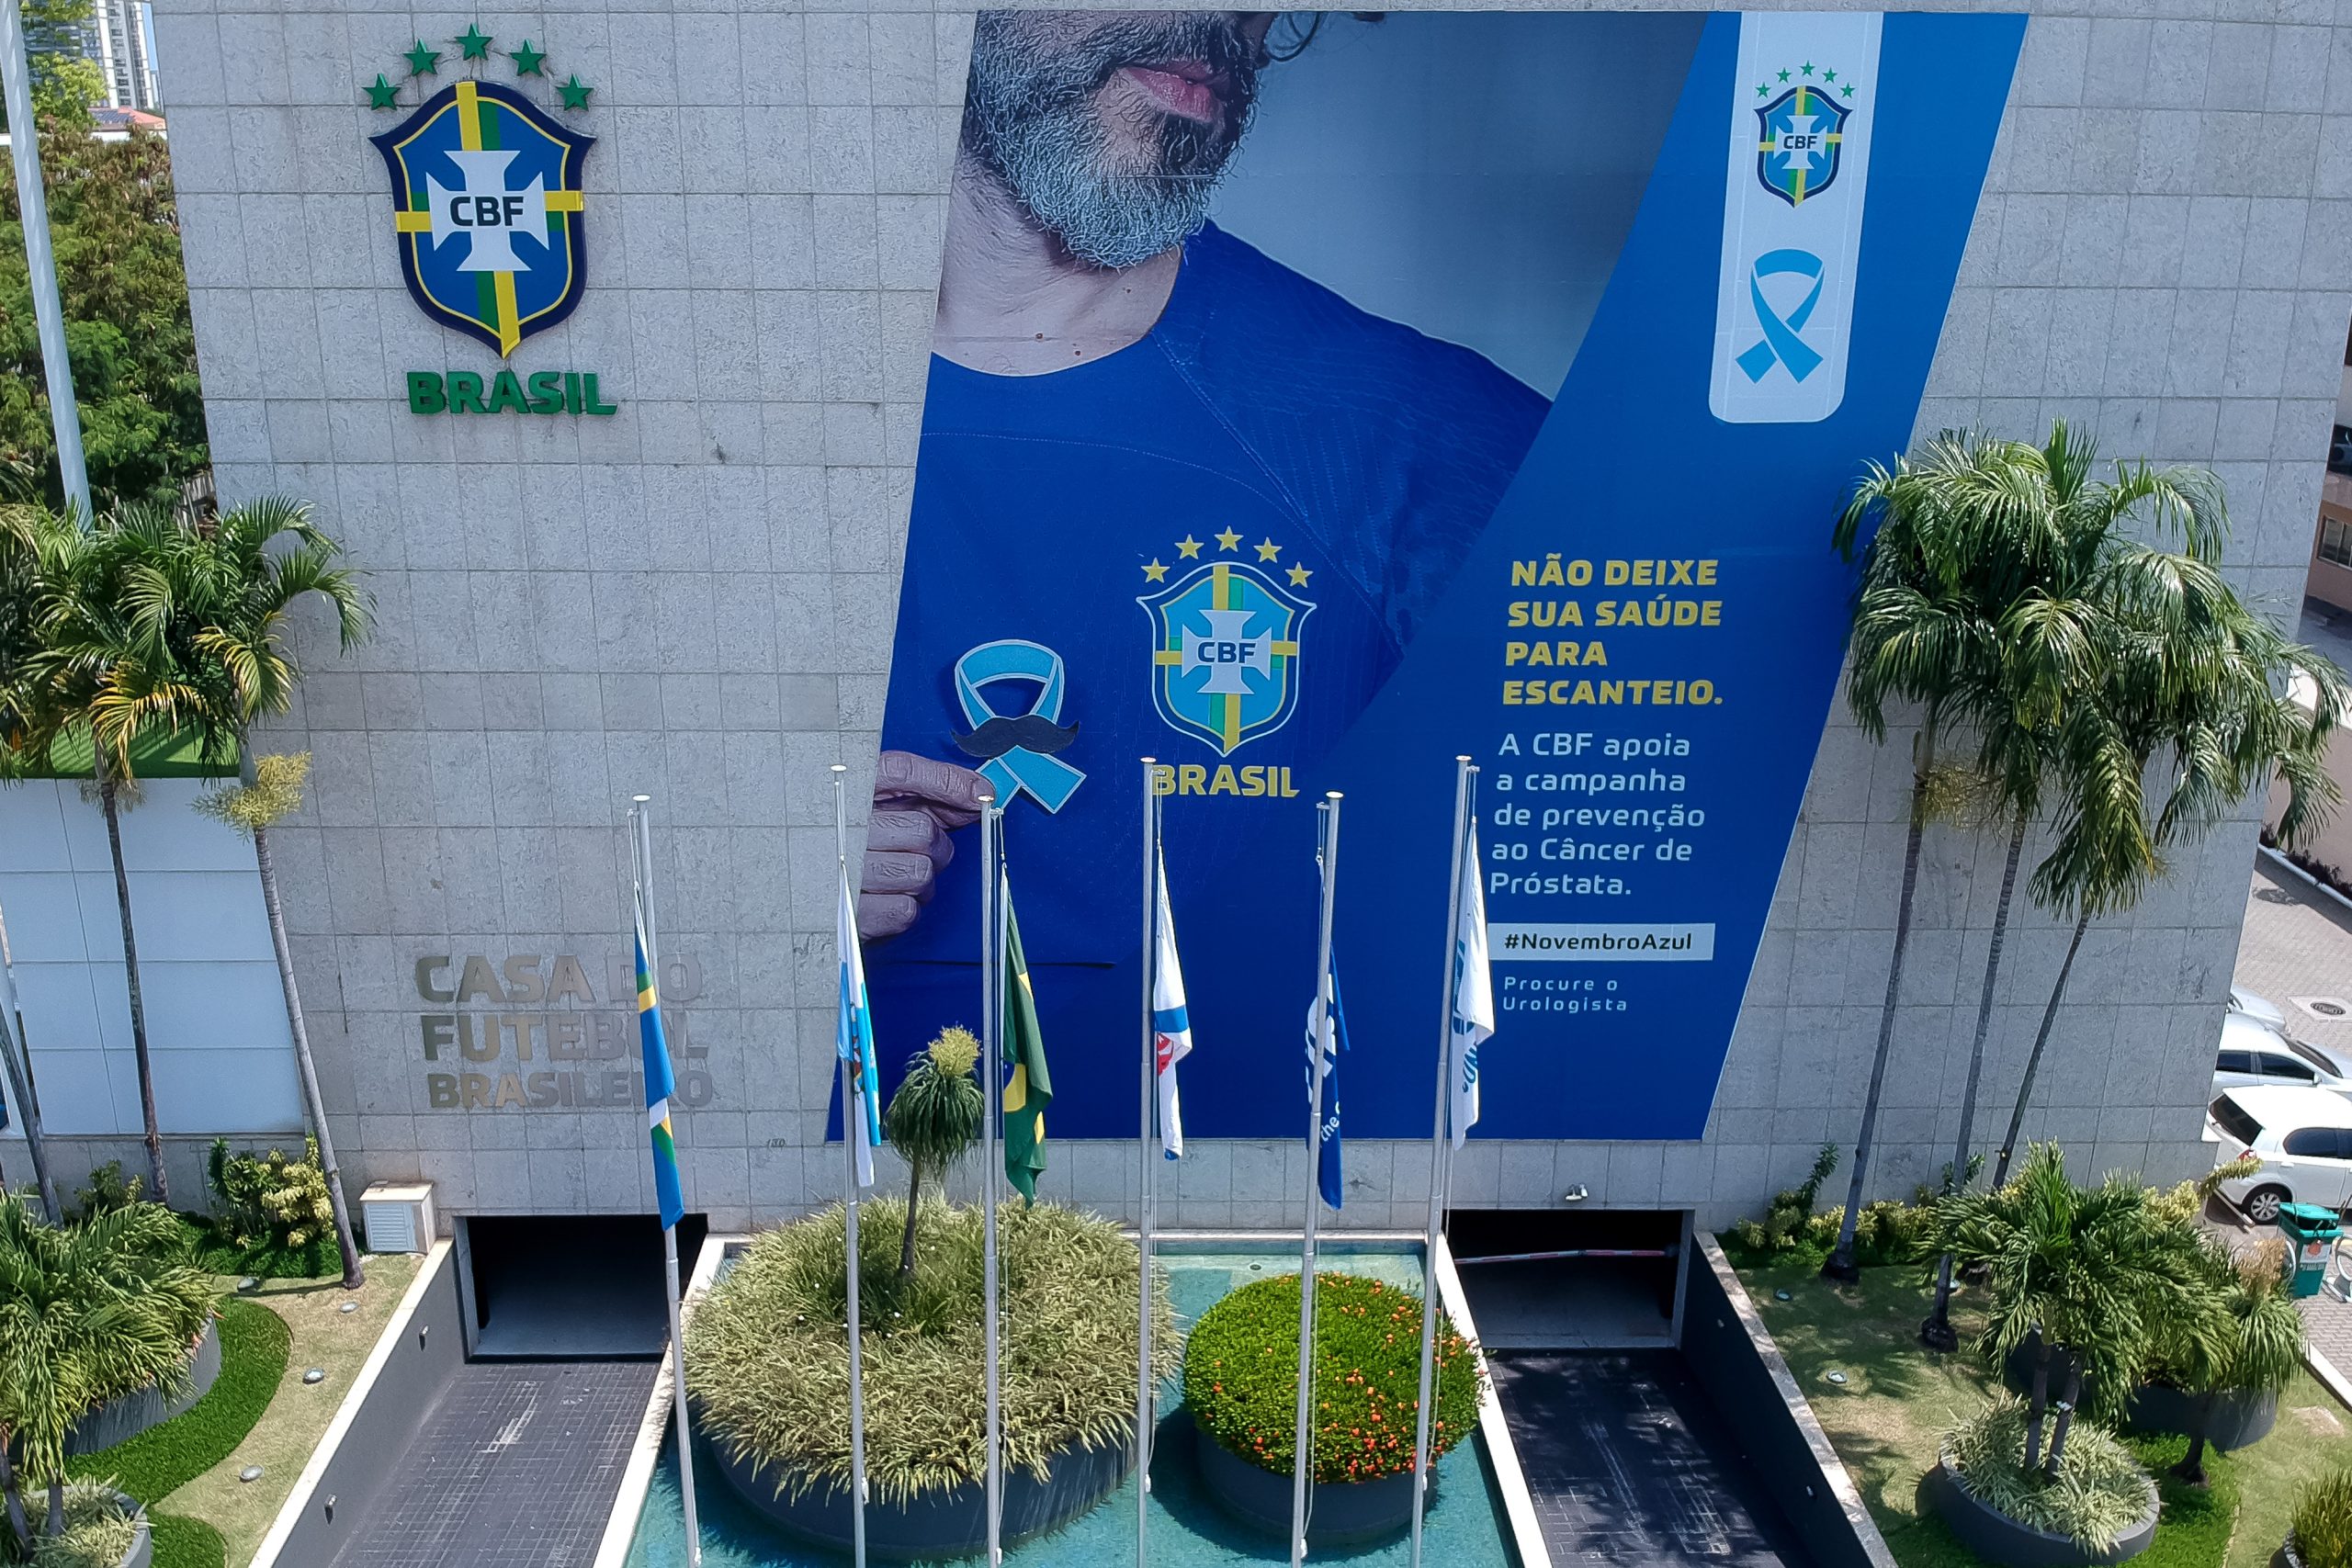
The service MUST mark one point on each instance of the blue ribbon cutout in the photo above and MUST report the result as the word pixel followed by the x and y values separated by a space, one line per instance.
pixel 1049 780
pixel 1781 344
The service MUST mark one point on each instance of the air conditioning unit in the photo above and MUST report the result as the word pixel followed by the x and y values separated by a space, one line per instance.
pixel 398 1215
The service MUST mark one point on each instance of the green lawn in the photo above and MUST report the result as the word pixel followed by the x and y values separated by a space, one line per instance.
pixel 1884 1422
pixel 259 1411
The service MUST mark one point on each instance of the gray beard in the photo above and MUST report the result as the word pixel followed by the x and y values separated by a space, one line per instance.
pixel 1033 124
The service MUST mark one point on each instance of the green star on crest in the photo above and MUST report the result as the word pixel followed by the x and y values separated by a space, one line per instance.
pixel 1761 89
pixel 575 92
pixel 1785 76
pixel 1848 90
pixel 424 62
pixel 1829 75
pixel 1808 68
pixel 381 94
pixel 528 60
pixel 474 41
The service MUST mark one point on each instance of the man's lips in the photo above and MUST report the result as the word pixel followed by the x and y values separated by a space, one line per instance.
pixel 1185 87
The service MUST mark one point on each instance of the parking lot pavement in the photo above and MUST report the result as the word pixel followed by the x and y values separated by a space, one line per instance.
pixel 2298 943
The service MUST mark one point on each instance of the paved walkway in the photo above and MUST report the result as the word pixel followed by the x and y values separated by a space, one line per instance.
pixel 2297 943
pixel 1629 1466
pixel 515 1467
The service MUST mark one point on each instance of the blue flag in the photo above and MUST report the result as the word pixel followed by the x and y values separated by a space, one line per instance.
pixel 658 1084
pixel 1329 1036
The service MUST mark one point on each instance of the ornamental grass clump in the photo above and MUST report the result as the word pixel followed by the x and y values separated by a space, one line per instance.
pixel 1241 1377
pixel 98 1533
pixel 2321 1531
pixel 2098 1493
pixel 767 1352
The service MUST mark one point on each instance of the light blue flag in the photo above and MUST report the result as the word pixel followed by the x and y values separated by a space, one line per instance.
pixel 853 1041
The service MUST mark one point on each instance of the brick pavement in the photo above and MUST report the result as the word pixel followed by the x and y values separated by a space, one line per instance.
pixel 2297 944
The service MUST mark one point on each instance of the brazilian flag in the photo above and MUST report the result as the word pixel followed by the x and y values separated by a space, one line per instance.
pixel 1032 1087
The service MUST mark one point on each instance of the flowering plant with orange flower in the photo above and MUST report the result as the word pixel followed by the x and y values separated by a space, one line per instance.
pixel 1241 1377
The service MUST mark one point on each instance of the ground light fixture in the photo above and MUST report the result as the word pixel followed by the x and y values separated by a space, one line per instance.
pixel 1576 1194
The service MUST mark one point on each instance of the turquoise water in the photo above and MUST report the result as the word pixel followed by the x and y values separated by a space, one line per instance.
pixel 1463 1529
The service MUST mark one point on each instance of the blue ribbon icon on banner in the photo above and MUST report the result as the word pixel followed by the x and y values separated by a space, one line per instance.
pixel 1018 747
pixel 1781 344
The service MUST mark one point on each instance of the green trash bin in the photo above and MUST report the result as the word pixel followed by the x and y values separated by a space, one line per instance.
pixel 2311 1232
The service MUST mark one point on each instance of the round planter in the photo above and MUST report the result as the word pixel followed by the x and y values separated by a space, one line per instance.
pixel 1997 1538
pixel 2287 1556
pixel 2240 1417
pixel 1344 1513
pixel 2016 1370
pixel 951 1524
pixel 119 1420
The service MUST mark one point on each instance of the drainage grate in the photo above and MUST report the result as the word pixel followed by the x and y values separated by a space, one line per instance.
pixel 2329 1009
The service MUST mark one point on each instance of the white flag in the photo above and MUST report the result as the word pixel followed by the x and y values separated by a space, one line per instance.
pixel 853 1041
pixel 1474 995
pixel 1171 1026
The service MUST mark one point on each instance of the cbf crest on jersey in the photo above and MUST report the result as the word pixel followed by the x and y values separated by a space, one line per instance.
pixel 1225 649
pixel 486 196
pixel 1802 136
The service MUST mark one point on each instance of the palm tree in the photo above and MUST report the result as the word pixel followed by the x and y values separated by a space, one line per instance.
pixel 222 592
pixel 88 1312
pixel 2262 1346
pixel 89 651
pixel 933 1120
pixel 1965 608
pixel 2092 1272
pixel 2188 675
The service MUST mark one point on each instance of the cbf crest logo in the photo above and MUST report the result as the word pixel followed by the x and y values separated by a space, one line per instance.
pixel 1801 134
pixel 486 196
pixel 1224 642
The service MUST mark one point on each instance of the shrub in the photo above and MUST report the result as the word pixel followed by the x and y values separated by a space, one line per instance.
pixel 273 1211
pixel 2322 1522
pixel 1887 1231
pixel 767 1362
pixel 107 1190
pixel 2099 1493
pixel 1241 1377
pixel 98 1532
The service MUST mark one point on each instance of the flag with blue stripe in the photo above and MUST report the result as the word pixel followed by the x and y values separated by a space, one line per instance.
pixel 1327 1031
pixel 659 1086
pixel 1171 1025
pixel 853 1040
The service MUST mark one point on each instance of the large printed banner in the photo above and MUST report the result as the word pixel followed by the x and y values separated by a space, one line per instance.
pixel 1316 399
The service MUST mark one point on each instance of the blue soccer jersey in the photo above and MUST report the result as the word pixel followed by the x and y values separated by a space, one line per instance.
pixel 1210 548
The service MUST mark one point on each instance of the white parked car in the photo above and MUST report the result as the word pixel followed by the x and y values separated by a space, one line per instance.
pixel 2258 1008
pixel 2253 1054
pixel 2304 1137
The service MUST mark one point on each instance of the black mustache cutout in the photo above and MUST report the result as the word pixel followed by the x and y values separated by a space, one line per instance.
pixel 1028 732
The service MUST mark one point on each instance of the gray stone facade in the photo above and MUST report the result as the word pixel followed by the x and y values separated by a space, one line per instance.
pixel 694 598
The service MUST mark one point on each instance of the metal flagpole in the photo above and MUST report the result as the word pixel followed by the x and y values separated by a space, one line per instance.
pixel 17 1058
pixel 641 853
pixel 1144 1381
pixel 48 314
pixel 991 1111
pixel 1441 1147
pixel 853 1075
pixel 1303 1447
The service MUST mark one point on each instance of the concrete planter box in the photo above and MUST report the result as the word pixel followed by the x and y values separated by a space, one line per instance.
pixel 2240 1417
pixel 1347 1514
pixel 121 1419
pixel 1997 1538
pixel 951 1524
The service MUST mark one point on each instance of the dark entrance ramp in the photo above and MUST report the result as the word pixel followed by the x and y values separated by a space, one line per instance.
pixel 515 1466
pixel 564 1286
pixel 1629 1464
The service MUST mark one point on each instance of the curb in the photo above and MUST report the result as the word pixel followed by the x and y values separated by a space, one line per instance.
pixel 2279 862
